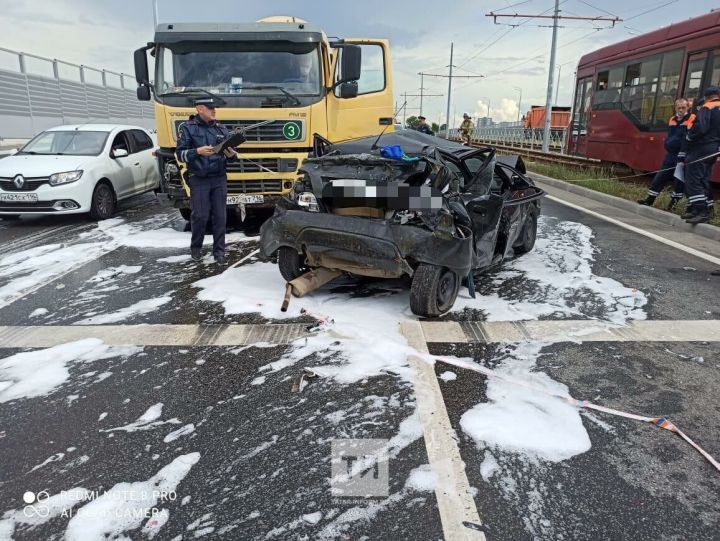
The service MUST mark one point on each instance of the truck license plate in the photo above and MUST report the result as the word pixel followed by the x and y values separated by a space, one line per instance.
pixel 244 199
pixel 19 197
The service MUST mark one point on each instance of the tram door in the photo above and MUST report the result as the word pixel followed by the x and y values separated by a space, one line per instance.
pixel 582 107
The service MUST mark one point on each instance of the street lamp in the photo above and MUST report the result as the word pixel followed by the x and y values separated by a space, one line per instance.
pixel 519 101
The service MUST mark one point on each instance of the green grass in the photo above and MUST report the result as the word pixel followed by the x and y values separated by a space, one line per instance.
pixel 601 180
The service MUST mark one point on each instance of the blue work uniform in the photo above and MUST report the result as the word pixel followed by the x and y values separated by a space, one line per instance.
pixel 675 151
pixel 703 140
pixel 207 177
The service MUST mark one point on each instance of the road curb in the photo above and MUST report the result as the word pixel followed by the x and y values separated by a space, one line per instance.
pixel 673 220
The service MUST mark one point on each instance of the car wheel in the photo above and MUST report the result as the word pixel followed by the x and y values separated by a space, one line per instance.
pixel 291 264
pixel 433 290
pixel 526 242
pixel 102 206
pixel 185 213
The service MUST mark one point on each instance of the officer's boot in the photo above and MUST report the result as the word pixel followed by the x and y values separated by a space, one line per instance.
pixel 689 213
pixel 702 216
pixel 648 201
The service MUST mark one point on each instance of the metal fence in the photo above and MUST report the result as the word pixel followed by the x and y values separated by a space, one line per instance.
pixel 516 135
pixel 37 93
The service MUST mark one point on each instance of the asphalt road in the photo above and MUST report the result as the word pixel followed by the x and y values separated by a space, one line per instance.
pixel 264 470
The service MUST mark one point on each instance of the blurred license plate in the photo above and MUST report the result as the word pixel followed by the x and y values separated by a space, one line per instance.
pixel 244 199
pixel 19 197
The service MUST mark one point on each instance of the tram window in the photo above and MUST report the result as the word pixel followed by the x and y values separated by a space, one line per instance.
pixel 607 89
pixel 715 75
pixel 693 79
pixel 632 75
pixel 667 91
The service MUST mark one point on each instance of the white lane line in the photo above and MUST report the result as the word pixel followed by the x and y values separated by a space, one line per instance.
pixel 152 335
pixel 702 330
pixel 455 501
pixel 668 242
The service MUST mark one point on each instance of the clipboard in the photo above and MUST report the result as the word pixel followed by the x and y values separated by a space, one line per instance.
pixel 238 137
pixel 679 172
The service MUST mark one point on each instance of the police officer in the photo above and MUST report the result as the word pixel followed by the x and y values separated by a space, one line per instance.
pixel 422 126
pixel 703 140
pixel 466 129
pixel 675 142
pixel 207 176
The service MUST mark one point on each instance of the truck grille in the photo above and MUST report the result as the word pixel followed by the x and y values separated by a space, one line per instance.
pixel 270 133
pixel 254 186
pixel 31 184
pixel 260 165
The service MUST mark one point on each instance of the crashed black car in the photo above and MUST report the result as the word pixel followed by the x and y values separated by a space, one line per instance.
pixel 405 204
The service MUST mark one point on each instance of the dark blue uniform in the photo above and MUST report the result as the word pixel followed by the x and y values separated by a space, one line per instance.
pixel 675 143
pixel 424 128
pixel 207 177
pixel 703 140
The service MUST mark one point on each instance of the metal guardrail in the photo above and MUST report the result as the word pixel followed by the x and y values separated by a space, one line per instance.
pixel 37 93
pixel 515 135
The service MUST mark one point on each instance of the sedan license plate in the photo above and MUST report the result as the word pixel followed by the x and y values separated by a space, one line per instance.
pixel 19 197
pixel 244 199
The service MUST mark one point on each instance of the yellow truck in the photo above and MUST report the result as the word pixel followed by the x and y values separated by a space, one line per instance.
pixel 281 69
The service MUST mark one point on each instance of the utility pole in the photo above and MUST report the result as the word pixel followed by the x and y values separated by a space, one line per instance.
pixel 422 91
pixel 155 13
pixel 447 115
pixel 519 101
pixel 450 78
pixel 551 74
pixel 548 99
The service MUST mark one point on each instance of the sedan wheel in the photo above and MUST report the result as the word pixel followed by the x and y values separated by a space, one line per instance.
pixel 103 202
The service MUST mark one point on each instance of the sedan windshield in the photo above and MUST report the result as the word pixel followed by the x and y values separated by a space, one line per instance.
pixel 255 69
pixel 71 142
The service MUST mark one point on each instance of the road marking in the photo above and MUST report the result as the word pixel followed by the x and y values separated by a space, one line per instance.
pixel 703 330
pixel 455 501
pixel 668 242
pixel 152 335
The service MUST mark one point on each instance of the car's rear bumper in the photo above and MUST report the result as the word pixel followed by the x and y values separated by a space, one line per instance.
pixel 364 246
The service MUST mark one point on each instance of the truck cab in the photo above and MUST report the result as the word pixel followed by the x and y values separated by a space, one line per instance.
pixel 280 69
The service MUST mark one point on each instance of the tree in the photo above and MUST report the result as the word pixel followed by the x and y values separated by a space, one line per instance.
pixel 412 122
pixel 435 128
pixel 443 127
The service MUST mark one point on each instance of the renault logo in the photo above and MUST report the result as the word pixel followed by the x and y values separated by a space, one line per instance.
pixel 19 182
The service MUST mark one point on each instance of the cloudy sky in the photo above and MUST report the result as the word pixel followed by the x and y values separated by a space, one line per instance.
pixel 104 33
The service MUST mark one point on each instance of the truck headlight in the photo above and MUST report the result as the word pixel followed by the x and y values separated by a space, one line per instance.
pixel 307 199
pixel 65 178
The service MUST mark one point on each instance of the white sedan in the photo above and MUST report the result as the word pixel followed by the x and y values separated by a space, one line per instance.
pixel 78 169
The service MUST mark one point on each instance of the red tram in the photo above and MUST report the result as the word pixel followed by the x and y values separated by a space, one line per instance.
pixel 625 93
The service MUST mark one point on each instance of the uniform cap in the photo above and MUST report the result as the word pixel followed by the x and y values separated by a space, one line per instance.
pixel 712 91
pixel 206 101
pixel 421 117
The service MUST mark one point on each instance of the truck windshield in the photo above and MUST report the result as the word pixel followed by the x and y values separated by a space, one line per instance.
pixel 240 68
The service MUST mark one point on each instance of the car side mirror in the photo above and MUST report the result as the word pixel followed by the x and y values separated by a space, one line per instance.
pixel 119 153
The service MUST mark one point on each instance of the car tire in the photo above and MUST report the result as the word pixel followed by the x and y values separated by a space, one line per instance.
pixel 528 235
pixel 433 290
pixel 102 205
pixel 185 213
pixel 291 264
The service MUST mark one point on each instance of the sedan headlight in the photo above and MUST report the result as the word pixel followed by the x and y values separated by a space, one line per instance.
pixel 307 200
pixel 64 178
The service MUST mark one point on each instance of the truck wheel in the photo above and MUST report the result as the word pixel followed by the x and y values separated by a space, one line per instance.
pixel 185 213
pixel 433 291
pixel 526 242
pixel 291 264
pixel 102 205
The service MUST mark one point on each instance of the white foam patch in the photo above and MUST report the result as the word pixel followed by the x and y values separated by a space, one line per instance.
pixel 561 267
pixel 520 419
pixel 139 308
pixel 38 312
pixel 175 259
pixel 125 506
pixel 488 466
pixel 182 431
pixel 448 376
pixel 147 421
pixel 422 478
pixel 113 272
pixel 36 373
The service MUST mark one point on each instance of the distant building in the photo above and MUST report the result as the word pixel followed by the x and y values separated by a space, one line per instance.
pixel 485 122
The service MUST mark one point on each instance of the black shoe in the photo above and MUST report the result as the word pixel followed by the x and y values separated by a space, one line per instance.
pixel 648 201
pixel 196 254
pixel 689 214
pixel 220 260
pixel 699 218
